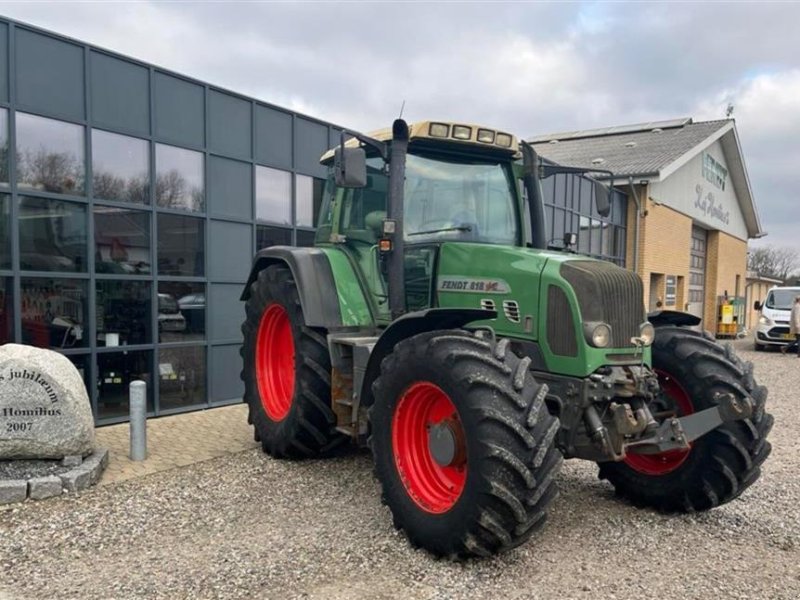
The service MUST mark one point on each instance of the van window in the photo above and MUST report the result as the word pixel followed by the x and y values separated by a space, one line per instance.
pixel 782 299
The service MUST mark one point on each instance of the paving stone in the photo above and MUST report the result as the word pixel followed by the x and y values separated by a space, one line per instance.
pixel 13 490
pixel 72 461
pixel 40 488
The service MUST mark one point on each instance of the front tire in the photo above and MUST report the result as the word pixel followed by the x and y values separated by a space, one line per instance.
pixel 463 444
pixel 286 371
pixel 720 465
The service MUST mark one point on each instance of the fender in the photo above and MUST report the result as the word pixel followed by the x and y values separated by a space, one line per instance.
pixel 316 285
pixel 662 318
pixel 411 324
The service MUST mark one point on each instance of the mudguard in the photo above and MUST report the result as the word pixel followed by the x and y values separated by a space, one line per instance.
pixel 661 318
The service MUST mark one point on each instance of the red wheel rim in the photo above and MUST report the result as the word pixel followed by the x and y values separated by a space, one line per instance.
pixel 275 362
pixel 433 487
pixel 665 462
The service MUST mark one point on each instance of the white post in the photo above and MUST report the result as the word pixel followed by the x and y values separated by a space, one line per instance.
pixel 138 420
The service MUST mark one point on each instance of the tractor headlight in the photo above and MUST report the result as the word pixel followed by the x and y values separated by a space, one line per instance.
pixel 647 333
pixel 462 132
pixel 503 139
pixel 486 136
pixel 441 130
pixel 764 320
pixel 598 334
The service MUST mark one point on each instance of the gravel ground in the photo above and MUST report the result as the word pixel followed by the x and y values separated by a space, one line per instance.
pixel 246 525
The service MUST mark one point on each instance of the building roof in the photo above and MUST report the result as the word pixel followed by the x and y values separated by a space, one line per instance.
pixel 653 151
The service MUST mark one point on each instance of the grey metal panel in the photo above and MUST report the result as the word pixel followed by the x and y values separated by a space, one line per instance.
pixel 229 124
pixel 120 94
pixel 229 251
pixel 226 326
pixel 49 75
pixel 3 62
pixel 273 137
pixel 179 111
pixel 226 364
pixel 230 189
pixel 311 140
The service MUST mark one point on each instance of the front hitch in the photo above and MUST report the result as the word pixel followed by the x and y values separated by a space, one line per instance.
pixel 678 434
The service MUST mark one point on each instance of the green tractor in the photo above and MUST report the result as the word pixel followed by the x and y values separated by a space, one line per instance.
pixel 432 323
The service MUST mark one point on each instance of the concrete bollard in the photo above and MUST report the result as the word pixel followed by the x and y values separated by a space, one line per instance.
pixel 138 422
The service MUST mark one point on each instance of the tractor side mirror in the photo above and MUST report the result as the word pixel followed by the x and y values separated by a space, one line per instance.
pixel 350 167
pixel 757 305
pixel 602 198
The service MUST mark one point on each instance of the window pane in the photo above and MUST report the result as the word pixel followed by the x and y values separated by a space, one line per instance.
pixel 115 371
pixel 181 311
pixel 54 313
pixel 52 235
pixel 5 231
pixel 181 244
pixel 122 241
pixel 120 168
pixel 50 155
pixel 6 322
pixel 81 362
pixel 305 238
pixel 123 313
pixel 273 195
pixel 179 178
pixel 304 193
pixel 182 377
pixel 272 236
pixel 4 146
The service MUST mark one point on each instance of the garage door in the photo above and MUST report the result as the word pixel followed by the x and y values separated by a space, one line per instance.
pixel 697 272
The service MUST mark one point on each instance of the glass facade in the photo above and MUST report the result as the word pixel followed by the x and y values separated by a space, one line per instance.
pixel 130 210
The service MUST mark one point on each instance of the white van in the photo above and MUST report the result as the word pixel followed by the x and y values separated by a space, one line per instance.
pixel 773 324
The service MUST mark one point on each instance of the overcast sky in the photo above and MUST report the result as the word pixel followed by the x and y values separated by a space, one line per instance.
pixel 525 67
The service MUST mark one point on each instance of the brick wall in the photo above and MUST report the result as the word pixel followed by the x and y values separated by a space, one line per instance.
pixel 726 258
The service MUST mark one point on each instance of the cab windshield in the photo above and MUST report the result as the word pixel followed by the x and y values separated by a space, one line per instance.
pixel 782 299
pixel 454 200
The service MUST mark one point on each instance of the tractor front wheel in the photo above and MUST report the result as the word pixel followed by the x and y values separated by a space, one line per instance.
pixel 286 371
pixel 463 443
pixel 692 370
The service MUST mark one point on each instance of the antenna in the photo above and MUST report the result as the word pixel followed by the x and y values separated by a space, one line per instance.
pixel 729 110
pixel 402 107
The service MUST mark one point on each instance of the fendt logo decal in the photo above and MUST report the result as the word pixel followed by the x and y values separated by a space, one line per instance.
pixel 469 284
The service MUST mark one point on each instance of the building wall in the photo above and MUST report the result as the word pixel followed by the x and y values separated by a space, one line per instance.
pixel 726 261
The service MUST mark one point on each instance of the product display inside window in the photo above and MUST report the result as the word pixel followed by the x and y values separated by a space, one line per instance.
pixel 115 372
pixel 272 236
pixel 181 311
pixel 181 377
pixel 179 178
pixel 5 231
pixel 52 235
pixel 273 195
pixel 122 241
pixel 120 168
pixel 181 245
pixel 124 313
pixel 6 321
pixel 50 155
pixel 54 313
pixel 4 156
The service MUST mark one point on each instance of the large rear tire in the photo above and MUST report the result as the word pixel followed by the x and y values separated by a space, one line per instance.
pixel 692 370
pixel 463 444
pixel 286 371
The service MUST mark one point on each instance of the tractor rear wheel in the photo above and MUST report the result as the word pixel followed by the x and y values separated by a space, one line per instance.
pixel 286 371
pixel 463 443
pixel 692 369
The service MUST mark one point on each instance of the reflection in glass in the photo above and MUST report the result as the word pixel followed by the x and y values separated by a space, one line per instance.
pixel 181 311
pixel 273 195
pixel 115 371
pixel 308 191
pixel 120 168
pixel 123 313
pixel 272 236
pixel 52 235
pixel 181 245
pixel 182 377
pixel 4 146
pixel 54 313
pixel 6 322
pixel 81 362
pixel 50 155
pixel 305 238
pixel 179 178
pixel 122 241
pixel 5 231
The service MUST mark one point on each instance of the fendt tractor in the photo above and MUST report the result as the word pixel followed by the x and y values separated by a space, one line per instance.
pixel 433 323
